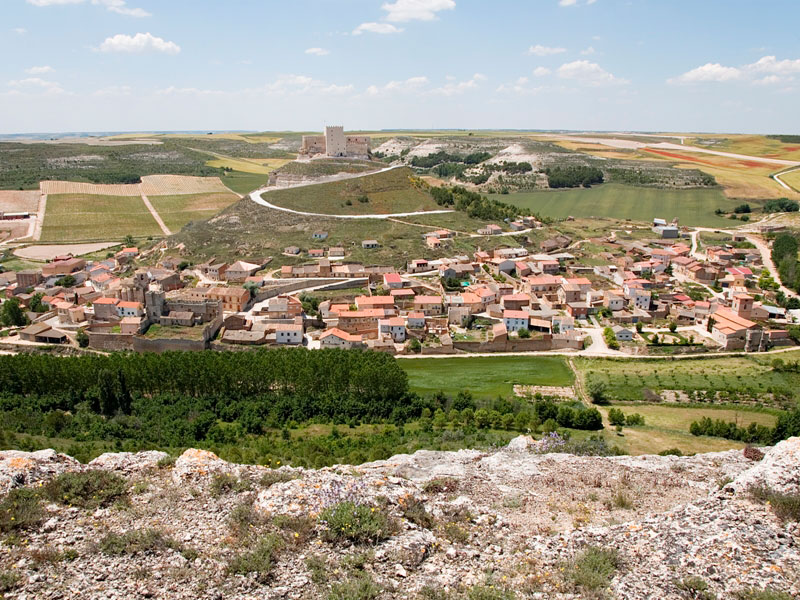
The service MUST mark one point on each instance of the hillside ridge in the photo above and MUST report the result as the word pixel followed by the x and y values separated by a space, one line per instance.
pixel 519 522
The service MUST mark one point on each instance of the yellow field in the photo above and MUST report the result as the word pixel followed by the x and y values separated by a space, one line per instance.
pixel 242 137
pixel 792 179
pixel 176 185
pixel 89 189
pixel 258 166
pixel 752 145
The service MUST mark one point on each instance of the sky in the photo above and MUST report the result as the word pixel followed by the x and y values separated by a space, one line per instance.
pixel 271 65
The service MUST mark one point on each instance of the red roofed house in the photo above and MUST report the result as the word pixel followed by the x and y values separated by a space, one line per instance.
pixel 393 327
pixel 429 305
pixel 731 331
pixel 105 309
pixel 393 281
pixel 336 338
pixel 130 309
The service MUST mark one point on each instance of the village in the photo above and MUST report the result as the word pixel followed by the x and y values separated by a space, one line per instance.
pixel 642 294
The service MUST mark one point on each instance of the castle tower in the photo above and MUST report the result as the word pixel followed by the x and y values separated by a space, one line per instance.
pixel 335 143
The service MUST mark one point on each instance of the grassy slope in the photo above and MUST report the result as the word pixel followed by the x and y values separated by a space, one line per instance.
pixel 389 192
pixel 259 166
pixel 75 217
pixel 177 211
pixel 485 377
pixel 243 183
pixel 692 207
pixel 792 179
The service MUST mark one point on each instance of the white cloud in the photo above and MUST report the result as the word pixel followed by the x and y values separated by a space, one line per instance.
pixel 521 87
pixel 770 64
pixel 20 30
pixel 708 72
pixel 453 88
pixel 587 72
pixel 376 28
pixel 407 85
pixel 318 51
pixel 39 70
pixel 574 2
pixel 49 87
pixel 284 85
pixel 541 71
pixel 539 50
pixel 402 11
pixel 768 80
pixel 117 6
pixel 139 43
pixel 588 51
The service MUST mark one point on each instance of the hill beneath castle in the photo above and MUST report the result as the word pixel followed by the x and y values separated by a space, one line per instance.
pixel 521 522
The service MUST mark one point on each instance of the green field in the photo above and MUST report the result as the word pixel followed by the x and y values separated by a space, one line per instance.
pixel 692 207
pixel 177 211
pixel 485 377
pixel 243 183
pixel 748 375
pixel 77 218
pixel 388 192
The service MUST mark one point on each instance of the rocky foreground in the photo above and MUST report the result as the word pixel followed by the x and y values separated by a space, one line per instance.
pixel 514 523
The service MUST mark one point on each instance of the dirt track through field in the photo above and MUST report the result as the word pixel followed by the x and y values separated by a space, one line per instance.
pixel 156 216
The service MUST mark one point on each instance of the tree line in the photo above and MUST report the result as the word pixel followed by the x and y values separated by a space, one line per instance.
pixel 788 425
pixel 784 256
pixel 430 161
pixel 476 205
pixel 571 177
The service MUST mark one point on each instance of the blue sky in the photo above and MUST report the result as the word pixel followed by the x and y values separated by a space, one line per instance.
pixel 652 65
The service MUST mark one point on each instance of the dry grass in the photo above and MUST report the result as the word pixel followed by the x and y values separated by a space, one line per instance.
pixel 258 166
pixel 13 201
pixel 174 185
pixel 177 211
pixel 93 189
pixel 77 217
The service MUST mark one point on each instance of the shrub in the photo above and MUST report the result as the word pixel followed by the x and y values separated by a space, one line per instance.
pixel 592 569
pixel 87 489
pixel 694 588
pixel 135 542
pixel 616 416
pixel 440 485
pixel 259 560
pixel 361 587
pixel 414 511
pixel 8 581
pixel 224 483
pixel 752 453
pixel 785 506
pixel 597 390
pixel 671 452
pixel 358 523
pixel 622 500
pixel 318 569
pixel 299 528
pixel 456 533
pixel 244 519
pixel 166 462
pixel 489 592
pixel 765 594
pixel 20 509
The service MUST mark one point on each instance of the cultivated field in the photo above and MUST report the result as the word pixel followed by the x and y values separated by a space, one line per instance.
pixel 792 179
pixel 77 217
pixel 692 207
pixel 90 189
pixel 244 183
pixel 11 201
pixel 753 145
pixel 750 377
pixel 389 192
pixel 50 251
pixel 259 166
pixel 177 211
pixel 485 377
pixel 172 185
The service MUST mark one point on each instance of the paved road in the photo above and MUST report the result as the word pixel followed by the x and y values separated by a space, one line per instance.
pixel 256 197
pixel 777 177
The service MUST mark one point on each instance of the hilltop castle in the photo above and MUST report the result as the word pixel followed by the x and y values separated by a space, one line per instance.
pixel 335 143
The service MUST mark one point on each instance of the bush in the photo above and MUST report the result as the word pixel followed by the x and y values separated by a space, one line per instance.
pixel 358 523
pixel 355 588
pixel 616 416
pixel 671 452
pixel 8 581
pixel 592 569
pixel 785 506
pixel 414 510
pixel 752 453
pixel 20 509
pixel 224 483
pixel 440 485
pixel 135 542
pixel 87 489
pixel 259 560
pixel 765 594
pixel 597 391
pixel 694 588
pixel 634 419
